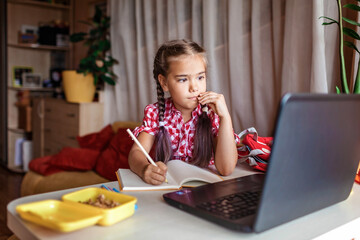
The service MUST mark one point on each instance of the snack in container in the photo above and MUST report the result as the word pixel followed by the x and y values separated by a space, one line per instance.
pixel 110 215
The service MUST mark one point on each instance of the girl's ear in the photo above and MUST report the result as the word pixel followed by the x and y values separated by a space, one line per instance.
pixel 163 82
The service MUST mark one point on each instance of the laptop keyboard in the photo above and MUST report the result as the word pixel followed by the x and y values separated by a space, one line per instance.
pixel 233 206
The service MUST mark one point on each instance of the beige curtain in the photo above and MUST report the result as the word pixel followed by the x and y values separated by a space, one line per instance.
pixel 257 51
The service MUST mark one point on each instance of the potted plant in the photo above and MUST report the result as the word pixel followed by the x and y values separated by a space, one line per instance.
pixel 351 33
pixel 95 68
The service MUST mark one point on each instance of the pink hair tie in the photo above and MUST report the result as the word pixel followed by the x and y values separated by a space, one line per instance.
pixel 161 124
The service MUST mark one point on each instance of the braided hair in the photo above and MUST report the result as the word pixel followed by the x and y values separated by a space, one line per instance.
pixel 203 142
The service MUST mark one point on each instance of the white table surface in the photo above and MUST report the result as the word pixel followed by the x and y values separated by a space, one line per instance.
pixel 155 219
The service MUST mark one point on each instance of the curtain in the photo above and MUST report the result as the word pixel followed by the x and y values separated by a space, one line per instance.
pixel 257 51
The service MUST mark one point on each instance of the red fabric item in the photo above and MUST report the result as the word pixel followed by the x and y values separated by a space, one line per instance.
pixel 258 161
pixel 98 140
pixel 42 166
pixel 115 156
pixel 262 143
pixel 75 159
pixel 357 176
pixel 260 166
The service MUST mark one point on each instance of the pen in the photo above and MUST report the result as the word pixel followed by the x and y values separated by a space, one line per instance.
pixel 142 149
pixel 105 187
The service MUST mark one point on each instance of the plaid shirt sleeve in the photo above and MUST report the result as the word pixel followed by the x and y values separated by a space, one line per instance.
pixel 150 121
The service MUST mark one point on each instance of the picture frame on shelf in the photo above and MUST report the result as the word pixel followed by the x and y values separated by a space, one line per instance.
pixel 32 80
pixel 18 72
pixel 28 34
pixel 29 29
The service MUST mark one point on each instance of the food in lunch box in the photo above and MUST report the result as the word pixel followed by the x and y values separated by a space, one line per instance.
pixel 101 202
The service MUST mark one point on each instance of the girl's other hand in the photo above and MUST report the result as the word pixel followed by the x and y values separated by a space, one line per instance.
pixel 155 175
pixel 216 102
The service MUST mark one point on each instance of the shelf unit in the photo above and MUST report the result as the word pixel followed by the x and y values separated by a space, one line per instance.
pixel 32 89
pixel 38 46
pixel 40 4
pixel 36 56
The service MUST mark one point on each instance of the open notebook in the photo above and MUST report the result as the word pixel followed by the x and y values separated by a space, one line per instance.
pixel 179 174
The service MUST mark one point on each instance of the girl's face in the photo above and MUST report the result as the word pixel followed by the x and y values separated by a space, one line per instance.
pixel 185 81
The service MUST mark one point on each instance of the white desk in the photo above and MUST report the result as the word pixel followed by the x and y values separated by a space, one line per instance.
pixel 155 219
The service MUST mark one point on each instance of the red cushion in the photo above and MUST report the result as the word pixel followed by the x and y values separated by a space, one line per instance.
pixel 73 159
pixel 42 166
pixel 115 156
pixel 98 140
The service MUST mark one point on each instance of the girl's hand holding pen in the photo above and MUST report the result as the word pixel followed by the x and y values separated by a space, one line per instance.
pixel 152 173
pixel 155 175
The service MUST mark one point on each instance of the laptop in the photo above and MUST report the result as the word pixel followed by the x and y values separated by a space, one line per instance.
pixel 312 165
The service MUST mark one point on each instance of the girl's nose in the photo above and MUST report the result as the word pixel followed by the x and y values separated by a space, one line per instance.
pixel 193 86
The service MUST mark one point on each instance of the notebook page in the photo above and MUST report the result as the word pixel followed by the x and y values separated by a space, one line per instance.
pixel 183 172
pixel 129 181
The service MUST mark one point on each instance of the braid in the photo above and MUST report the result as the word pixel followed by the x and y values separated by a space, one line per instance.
pixel 161 101
pixel 162 140
pixel 203 142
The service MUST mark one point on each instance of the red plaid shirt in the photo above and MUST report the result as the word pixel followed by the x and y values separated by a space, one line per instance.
pixel 181 133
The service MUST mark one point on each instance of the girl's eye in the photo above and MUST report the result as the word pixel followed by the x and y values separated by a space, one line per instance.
pixel 201 77
pixel 182 80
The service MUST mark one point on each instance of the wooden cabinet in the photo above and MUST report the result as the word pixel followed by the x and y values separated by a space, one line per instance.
pixel 57 123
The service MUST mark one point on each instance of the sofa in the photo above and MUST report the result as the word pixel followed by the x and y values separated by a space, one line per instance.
pixel 105 161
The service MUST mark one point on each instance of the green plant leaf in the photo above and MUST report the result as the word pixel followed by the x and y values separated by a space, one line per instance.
pixel 337 90
pixel 108 63
pixel 94 33
pixel 328 23
pixel 351 33
pixel 86 64
pixel 107 79
pixel 352 6
pixel 333 20
pixel 104 45
pixel 113 74
pixel 96 79
pixel 81 71
pixel 351 45
pixel 77 37
pixel 351 21
pixel 112 60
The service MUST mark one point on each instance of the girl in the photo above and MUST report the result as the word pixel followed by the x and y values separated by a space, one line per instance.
pixel 193 125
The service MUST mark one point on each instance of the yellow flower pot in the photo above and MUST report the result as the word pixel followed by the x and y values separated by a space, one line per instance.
pixel 77 87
